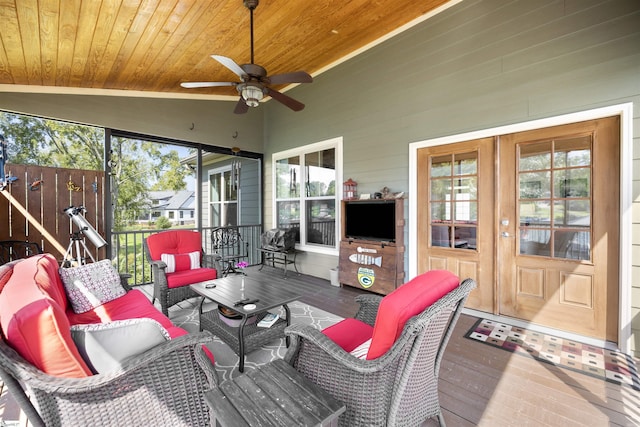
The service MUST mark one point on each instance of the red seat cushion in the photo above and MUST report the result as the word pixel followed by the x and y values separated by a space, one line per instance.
pixel 349 333
pixel 188 277
pixel 133 305
pixel 408 300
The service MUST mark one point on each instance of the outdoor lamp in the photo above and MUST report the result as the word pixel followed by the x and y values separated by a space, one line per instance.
pixel 350 189
pixel 252 94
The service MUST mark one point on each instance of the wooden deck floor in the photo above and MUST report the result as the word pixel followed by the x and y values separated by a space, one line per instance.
pixel 479 384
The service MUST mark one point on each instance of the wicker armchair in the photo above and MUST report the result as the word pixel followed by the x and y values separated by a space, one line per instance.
pixel 161 387
pixel 172 287
pixel 398 388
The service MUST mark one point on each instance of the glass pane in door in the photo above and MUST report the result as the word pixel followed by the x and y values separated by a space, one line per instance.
pixel 554 203
pixel 453 202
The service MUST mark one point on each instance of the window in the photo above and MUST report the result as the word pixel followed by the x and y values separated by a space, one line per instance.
pixel 223 196
pixel 306 197
pixel 554 202
pixel 454 200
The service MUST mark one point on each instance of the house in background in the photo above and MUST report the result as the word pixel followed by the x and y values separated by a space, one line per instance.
pixel 230 189
pixel 464 83
pixel 177 206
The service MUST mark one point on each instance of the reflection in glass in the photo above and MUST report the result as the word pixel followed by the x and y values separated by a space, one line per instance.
pixel 321 173
pixel 440 166
pixel 572 183
pixel 288 177
pixel 558 223
pixel 534 241
pixel 440 236
pixel 572 213
pixel 230 213
pixel 467 186
pixel 466 212
pixel 454 194
pixel 571 245
pixel 535 185
pixel 289 216
pixel 535 156
pixel 465 237
pixel 572 152
pixel 535 213
pixel 440 211
pixel 321 222
pixel 466 163
pixel 440 189
pixel 216 187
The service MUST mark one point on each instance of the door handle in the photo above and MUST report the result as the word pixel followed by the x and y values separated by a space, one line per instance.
pixel 505 234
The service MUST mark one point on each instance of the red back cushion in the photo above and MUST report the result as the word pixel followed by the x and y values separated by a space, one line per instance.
pixel 34 323
pixel 408 300
pixel 173 242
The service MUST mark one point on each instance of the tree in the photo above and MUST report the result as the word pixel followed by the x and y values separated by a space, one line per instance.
pixel 163 223
pixel 137 166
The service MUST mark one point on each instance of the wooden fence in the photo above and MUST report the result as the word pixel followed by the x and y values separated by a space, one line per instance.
pixel 45 193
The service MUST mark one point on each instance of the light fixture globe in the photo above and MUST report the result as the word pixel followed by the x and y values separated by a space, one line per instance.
pixel 252 93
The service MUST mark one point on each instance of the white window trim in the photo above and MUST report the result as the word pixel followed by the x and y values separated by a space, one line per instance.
pixel 625 111
pixel 210 173
pixel 335 143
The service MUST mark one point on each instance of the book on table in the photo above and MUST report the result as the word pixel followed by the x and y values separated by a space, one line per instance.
pixel 268 320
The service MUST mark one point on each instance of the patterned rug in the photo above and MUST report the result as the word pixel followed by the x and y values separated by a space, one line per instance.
pixel 598 362
pixel 186 316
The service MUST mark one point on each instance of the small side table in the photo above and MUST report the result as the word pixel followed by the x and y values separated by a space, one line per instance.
pixel 275 394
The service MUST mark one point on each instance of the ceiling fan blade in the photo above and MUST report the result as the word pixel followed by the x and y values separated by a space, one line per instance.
pixel 294 77
pixel 230 64
pixel 286 100
pixel 241 107
pixel 191 85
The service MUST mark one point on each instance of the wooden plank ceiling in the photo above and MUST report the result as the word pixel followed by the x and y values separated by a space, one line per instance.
pixel 154 45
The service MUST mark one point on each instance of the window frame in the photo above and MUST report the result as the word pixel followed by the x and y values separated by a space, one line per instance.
pixel 301 152
pixel 221 171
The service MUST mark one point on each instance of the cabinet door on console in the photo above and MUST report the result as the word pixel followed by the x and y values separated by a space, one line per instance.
pixel 368 266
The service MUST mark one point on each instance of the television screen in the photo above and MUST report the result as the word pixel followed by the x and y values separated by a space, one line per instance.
pixel 371 220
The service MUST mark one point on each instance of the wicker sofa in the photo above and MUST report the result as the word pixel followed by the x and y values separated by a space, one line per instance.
pixel 46 374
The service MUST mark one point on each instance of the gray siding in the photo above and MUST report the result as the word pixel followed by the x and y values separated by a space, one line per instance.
pixel 249 194
pixel 478 65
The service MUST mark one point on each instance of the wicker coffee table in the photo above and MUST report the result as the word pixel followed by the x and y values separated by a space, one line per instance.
pixel 247 336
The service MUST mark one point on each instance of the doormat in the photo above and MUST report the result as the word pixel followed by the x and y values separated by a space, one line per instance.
pixel 602 363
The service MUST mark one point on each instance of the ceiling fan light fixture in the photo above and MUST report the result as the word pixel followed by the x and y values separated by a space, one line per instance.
pixel 252 94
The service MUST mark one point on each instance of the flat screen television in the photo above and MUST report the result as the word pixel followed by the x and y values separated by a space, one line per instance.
pixel 370 220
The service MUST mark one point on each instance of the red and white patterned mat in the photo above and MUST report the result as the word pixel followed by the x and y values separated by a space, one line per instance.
pixel 606 364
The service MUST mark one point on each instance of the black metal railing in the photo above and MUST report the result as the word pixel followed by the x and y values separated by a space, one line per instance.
pixel 128 250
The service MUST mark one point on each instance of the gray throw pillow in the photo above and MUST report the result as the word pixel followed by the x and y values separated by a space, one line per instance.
pixel 105 346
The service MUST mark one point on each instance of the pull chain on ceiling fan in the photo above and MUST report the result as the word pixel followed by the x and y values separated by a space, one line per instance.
pixel 254 84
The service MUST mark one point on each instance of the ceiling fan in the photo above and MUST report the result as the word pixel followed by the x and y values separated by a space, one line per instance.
pixel 254 84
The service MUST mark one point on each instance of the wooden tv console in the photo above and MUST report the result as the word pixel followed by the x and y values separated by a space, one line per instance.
pixel 373 265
